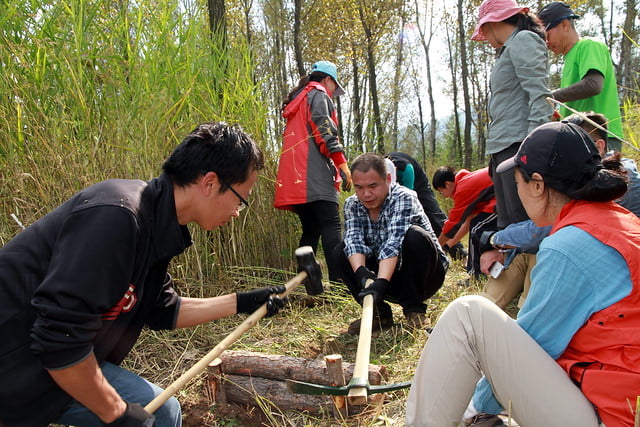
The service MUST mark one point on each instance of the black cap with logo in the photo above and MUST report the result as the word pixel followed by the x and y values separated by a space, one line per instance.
pixel 561 152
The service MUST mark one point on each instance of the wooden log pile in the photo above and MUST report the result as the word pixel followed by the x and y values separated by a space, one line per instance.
pixel 246 377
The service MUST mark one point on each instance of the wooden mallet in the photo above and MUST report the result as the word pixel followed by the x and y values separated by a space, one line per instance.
pixel 309 273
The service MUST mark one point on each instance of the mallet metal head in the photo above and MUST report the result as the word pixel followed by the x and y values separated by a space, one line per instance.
pixel 307 262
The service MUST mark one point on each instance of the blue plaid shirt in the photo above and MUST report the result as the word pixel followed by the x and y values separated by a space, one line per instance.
pixel 383 238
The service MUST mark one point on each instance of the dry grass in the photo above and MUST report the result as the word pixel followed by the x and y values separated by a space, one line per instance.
pixel 301 331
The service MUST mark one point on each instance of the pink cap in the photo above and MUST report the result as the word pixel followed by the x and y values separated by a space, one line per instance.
pixel 495 11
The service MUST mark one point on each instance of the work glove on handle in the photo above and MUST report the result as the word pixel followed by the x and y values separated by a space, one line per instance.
pixel 363 274
pixel 134 416
pixel 377 288
pixel 250 301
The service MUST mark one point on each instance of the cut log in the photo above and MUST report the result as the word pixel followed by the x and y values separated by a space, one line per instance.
pixel 335 373
pixel 257 378
pixel 215 379
pixel 278 367
pixel 252 390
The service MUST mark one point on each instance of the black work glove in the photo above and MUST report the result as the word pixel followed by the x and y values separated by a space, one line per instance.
pixel 377 289
pixel 363 274
pixel 134 416
pixel 248 302
pixel 457 251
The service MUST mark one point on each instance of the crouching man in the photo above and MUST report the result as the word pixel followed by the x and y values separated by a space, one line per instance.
pixel 78 286
pixel 389 240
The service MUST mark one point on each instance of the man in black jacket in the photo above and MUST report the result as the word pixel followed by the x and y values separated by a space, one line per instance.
pixel 77 286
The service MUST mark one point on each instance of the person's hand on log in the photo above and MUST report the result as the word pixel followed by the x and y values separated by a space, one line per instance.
pixel 377 289
pixel 134 416
pixel 363 274
pixel 248 302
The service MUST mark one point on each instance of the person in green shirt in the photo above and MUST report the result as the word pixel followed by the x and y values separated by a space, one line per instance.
pixel 588 80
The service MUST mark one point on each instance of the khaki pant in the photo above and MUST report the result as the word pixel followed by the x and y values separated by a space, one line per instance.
pixel 512 281
pixel 474 337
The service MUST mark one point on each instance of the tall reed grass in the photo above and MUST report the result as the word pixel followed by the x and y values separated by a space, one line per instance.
pixel 94 90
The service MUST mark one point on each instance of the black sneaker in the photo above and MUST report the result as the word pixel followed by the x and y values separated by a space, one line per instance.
pixel 484 420
pixel 378 324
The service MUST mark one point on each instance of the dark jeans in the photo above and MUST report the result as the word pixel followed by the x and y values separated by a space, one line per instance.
pixel 419 277
pixel 508 205
pixel 321 219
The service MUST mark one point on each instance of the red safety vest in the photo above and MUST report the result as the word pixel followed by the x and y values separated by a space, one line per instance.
pixel 603 357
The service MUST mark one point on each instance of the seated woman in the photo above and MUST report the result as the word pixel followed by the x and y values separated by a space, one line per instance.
pixel 572 357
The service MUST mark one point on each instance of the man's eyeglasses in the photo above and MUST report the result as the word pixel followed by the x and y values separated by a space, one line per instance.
pixel 243 202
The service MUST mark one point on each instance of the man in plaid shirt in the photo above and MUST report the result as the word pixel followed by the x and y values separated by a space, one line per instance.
pixel 388 239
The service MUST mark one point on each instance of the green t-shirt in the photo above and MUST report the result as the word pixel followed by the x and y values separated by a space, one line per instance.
pixel 589 54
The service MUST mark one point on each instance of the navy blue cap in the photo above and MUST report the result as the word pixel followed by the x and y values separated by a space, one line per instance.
pixel 554 13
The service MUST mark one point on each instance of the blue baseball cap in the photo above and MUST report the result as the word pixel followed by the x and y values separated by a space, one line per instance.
pixel 330 69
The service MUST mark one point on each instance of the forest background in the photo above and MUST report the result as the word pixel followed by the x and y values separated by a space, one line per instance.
pixel 94 89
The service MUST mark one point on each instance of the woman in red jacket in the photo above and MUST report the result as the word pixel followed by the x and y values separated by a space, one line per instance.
pixel 312 158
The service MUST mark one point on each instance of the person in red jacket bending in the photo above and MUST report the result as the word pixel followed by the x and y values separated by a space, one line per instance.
pixel 312 159
pixel 473 208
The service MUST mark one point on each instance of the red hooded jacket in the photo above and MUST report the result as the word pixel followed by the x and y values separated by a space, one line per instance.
pixel 307 168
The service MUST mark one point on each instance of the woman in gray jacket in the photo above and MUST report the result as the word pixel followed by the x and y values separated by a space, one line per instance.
pixel 519 86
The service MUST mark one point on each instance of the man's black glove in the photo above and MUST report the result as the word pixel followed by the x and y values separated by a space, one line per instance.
pixel 134 416
pixel 363 274
pixel 377 289
pixel 248 302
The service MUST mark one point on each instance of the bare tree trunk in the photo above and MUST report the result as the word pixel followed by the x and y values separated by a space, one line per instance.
pixel 426 46
pixel 454 87
pixel 247 5
pixel 275 24
pixel 468 149
pixel 423 145
pixel 297 48
pixel 123 5
pixel 371 66
pixel 396 86
pixel 610 40
pixel 482 121
pixel 217 19
pixel 625 72
pixel 358 124
pixel 420 126
pixel 607 35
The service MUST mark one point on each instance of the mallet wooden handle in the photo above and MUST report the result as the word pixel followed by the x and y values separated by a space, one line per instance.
pixel 358 395
pixel 203 363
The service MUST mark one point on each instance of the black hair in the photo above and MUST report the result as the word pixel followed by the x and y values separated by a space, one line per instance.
pixel 315 76
pixel 608 183
pixel 591 129
pixel 226 150
pixel 527 21
pixel 367 161
pixel 442 175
